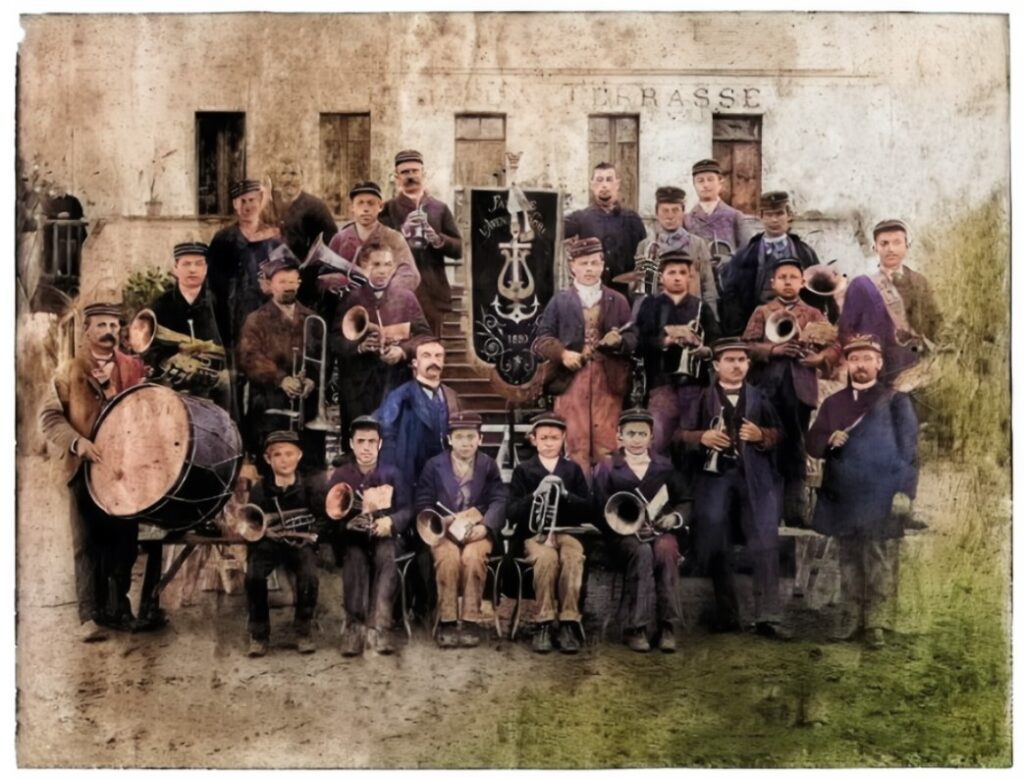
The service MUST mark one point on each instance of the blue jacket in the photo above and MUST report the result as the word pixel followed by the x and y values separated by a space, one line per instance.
pixel 488 493
pixel 412 429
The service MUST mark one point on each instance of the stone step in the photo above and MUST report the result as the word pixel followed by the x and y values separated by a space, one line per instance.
pixel 459 370
pixel 483 402
pixel 472 385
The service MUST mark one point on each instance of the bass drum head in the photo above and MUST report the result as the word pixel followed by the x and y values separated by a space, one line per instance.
pixel 145 436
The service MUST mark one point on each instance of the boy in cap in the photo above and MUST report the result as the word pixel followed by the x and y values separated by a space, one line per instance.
pixel 283 490
pixel 378 361
pixel 787 375
pixel 467 483
pixel 734 429
pixel 431 232
pixel 557 557
pixel 667 327
pixel 867 435
pixel 583 334
pixel 366 554
pixel 671 236
pixel 711 218
pixel 367 203
pixel 650 555
pixel 747 277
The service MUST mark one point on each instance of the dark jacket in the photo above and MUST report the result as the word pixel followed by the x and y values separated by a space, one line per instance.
pixel 302 220
pixel 401 501
pixel 562 327
pixel 413 428
pixel 740 275
pixel 175 312
pixel 307 493
pixel 488 493
pixel 574 508
pixel 233 263
pixel 655 314
pixel 620 231
pixel 614 475
pixel 878 460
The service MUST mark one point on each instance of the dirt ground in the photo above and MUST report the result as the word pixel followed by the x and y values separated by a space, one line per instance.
pixel 188 695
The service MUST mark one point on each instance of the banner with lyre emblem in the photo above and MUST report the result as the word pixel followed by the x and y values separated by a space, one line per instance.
pixel 514 251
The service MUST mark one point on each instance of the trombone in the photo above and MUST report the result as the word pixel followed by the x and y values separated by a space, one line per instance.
pixel 313 327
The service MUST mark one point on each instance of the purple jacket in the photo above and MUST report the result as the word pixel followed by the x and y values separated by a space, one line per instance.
pixel 401 501
pixel 488 493
pixel 561 327
pixel 620 231
pixel 723 223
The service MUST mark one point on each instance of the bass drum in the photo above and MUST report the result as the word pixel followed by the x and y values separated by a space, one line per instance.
pixel 168 458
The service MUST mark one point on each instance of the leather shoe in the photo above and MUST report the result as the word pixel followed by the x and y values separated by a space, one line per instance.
pixel 305 645
pixel 568 642
pixel 874 638
pixel 382 641
pixel 542 638
pixel 150 619
pixel 448 635
pixel 468 637
pixel 667 640
pixel 637 641
pixel 352 640
pixel 257 647
pixel 910 523
pixel 91 632
pixel 772 629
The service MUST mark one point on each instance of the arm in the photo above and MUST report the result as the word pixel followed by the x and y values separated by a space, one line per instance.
pixel 401 503
pixel 520 499
pixel 904 422
pixel 573 225
pixel 818 435
pixel 426 489
pixel 546 345
pixel 760 349
pixel 407 275
pixel 252 356
pixel 452 237
pixel 495 497
pixel 53 423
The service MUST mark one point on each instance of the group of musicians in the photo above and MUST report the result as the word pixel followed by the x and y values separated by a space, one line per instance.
pixel 732 332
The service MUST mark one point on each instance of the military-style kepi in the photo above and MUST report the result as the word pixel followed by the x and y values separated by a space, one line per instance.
pixel 190 248
pixel 889 225
pixel 547 419
pixel 862 342
pixel 669 194
pixel 636 414
pixel 102 309
pixel 365 187
pixel 281 436
pixel 772 201
pixel 583 247
pixel 675 256
pixel 787 261
pixel 464 420
pixel 363 422
pixel 707 166
pixel 280 259
pixel 408 155
pixel 244 186
pixel 722 345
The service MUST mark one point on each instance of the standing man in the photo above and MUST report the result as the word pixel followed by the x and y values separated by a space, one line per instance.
pixel 414 417
pixel 367 202
pixel 301 216
pixel 369 578
pixel 429 229
pixel 673 327
pixel 651 560
pixel 747 277
pixel 867 435
pixel 469 483
pixel 104 548
pixel 582 333
pixel 556 557
pixel 736 430
pixel 894 305
pixel 618 229
pixel 671 236
pixel 270 357
pixel 712 218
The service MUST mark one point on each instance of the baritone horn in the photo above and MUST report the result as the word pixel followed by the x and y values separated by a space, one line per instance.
pixel 433 525
pixel 144 331
pixel 368 505
pixel 782 327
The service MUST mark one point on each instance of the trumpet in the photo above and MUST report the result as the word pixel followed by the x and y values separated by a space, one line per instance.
pixel 712 463
pixel 292 526
pixel 691 358
pixel 630 513
pixel 356 326
pixel 544 508
pixel 432 526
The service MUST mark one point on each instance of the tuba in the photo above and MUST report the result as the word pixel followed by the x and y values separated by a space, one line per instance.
pixel 630 513
pixel 432 526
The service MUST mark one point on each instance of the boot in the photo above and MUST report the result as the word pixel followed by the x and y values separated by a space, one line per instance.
pixel 568 643
pixel 448 635
pixel 382 641
pixel 257 647
pixel 91 632
pixel 542 638
pixel 468 637
pixel 637 640
pixel 667 639
pixel 352 639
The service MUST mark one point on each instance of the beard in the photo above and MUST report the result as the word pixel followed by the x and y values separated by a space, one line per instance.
pixel 287 298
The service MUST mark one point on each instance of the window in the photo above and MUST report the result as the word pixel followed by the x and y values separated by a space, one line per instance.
pixel 344 157
pixel 737 148
pixel 615 138
pixel 220 154
pixel 479 149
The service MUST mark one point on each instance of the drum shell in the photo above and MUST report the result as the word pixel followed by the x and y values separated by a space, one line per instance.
pixel 203 482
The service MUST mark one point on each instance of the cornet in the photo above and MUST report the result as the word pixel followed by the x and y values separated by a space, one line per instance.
pixel 544 508
pixel 368 505
pixel 356 327
pixel 432 526
pixel 293 526
pixel 630 513
pixel 712 463
pixel 691 358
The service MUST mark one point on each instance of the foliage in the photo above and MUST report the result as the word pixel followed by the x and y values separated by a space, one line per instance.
pixel 143 287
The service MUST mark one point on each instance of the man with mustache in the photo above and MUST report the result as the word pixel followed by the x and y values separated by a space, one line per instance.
pixel 267 347
pixel 429 229
pixel 300 215
pixel 104 548
pixel 894 305
pixel 619 229
pixel 867 435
